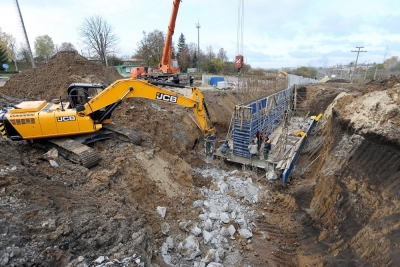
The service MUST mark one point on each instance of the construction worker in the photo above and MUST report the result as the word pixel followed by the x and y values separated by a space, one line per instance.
pixel 253 150
pixel 267 147
pixel 260 137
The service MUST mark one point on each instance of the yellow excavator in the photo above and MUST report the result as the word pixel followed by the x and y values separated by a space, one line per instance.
pixel 86 117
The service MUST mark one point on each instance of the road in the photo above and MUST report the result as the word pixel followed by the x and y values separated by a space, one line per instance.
pixel 2 81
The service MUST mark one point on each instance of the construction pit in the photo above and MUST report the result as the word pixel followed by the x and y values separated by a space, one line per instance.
pixel 160 204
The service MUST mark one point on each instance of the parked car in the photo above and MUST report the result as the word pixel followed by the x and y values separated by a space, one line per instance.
pixel 223 86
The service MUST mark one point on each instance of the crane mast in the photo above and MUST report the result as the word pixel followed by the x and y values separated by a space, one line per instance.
pixel 166 65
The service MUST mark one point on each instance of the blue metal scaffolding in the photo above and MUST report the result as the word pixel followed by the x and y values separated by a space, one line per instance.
pixel 264 115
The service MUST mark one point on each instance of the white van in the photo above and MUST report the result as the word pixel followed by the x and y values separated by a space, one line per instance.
pixel 223 86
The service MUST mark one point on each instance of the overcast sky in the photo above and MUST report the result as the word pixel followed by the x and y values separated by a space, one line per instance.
pixel 285 33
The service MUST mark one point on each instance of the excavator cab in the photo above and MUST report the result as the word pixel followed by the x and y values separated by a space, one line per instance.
pixel 80 93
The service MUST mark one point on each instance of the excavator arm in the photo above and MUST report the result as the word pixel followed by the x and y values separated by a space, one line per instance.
pixel 110 98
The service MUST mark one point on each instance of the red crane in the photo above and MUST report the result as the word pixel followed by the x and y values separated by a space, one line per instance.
pixel 168 67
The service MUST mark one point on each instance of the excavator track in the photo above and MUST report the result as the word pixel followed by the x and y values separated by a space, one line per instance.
pixel 73 151
pixel 75 148
pixel 123 134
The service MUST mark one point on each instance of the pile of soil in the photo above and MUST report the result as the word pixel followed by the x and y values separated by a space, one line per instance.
pixel 382 83
pixel 337 81
pixel 52 80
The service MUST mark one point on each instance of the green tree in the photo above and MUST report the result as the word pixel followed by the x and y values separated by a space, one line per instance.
pixel 115 61
pixel 8 42
pixel 309 72
pixel 44 47
pixel 183 55
pixel 390 63
pixel 182 44
pixel 214 66
pixel 229 68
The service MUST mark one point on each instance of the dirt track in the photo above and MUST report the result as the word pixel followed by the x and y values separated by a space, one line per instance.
pixel 329 215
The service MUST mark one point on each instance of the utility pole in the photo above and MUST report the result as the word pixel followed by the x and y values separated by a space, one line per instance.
pixel 26 36
pixel 355 66
pixel 198 43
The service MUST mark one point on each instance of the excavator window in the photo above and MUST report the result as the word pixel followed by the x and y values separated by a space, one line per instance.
pixel 78 96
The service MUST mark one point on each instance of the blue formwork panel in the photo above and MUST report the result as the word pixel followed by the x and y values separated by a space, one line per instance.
pixel 266 116
pixel 286 173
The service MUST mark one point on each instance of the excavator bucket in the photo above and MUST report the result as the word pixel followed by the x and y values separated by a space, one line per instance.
pixel 209 147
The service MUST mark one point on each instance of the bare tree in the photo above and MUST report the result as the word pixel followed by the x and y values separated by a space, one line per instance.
pixel 210 52
pixel 193 54
pixel 222 55
pixel 150 48
pixel 184 59
pixel 65 46
pixel 99 37
pixel 23 53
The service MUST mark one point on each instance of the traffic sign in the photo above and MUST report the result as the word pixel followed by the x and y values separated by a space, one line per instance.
pixel 5 66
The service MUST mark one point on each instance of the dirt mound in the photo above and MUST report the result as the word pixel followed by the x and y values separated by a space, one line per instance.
pixel 52 80
pixel 338 81
pixel 382 83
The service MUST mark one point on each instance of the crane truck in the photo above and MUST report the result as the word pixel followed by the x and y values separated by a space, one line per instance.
pixel 168 69
pixel 86 117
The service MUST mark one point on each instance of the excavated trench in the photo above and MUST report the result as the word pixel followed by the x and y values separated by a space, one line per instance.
pixel 352 208
pixel 340 208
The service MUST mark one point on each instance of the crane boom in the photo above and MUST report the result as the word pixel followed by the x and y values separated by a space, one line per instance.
pixel 167 54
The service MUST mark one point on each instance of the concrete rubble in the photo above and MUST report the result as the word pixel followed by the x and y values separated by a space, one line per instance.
pixel 104 261
pixel 206 242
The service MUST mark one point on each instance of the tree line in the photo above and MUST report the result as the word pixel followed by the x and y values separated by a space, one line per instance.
pixel 149 50
pixel 101 43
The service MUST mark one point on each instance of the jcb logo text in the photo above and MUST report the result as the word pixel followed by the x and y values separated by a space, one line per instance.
pixel 66 118
pixel 168 98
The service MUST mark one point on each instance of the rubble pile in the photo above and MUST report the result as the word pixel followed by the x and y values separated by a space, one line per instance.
pixel 224 215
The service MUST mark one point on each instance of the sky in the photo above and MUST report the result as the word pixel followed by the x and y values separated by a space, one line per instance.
pixel 276 34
